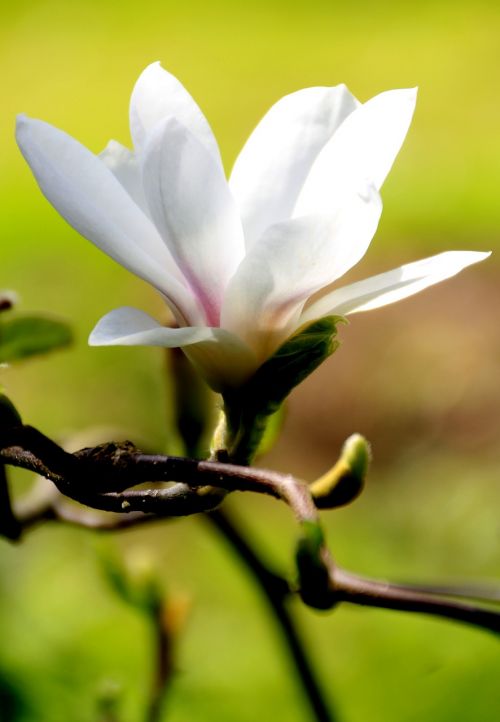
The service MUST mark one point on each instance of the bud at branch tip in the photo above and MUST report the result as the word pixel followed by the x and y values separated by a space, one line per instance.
pixel 346 479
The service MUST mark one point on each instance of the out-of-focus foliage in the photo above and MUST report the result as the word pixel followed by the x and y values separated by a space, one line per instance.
pixel 420 380
pixel 25 336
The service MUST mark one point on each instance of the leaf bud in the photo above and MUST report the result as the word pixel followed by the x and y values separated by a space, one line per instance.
pixel 346 479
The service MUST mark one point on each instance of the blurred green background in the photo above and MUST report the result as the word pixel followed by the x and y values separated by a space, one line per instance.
pixel 419 379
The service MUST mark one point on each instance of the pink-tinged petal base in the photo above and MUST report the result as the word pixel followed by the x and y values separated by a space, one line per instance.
pixel 292 261
pixel 194 211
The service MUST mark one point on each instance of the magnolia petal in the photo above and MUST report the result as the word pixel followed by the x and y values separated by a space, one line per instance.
pixel 292 261
pixel 222 358
pixel 363 149
pixel 194 211
pixel 157 94
pixel 124 165
pixel 129 326
pixel 88 196
pixel 273 165
pixel 393 285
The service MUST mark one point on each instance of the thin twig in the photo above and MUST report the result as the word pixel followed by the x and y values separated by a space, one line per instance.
pixel 372 593
pixel 480 592
pixel 45 503
pixel 9 525
pixel 276 591
pixel 163 663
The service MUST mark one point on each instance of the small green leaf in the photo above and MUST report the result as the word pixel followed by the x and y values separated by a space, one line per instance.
pixel 30 336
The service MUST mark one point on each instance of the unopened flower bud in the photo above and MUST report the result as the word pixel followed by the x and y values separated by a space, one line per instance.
pixel 345 480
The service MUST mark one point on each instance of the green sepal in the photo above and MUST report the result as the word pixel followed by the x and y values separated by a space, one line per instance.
pixel 272 430
pixel 294 360
pixel 249 407
pixel 26 336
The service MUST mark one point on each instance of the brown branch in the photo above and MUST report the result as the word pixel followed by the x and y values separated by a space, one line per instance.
pixel 9 524
pixel 480 592
pixel 100 478
pixel 354 589
pixel 79 516
pixel 45 503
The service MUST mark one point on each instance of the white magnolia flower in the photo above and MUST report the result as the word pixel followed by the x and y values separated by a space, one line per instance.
pixel 237 261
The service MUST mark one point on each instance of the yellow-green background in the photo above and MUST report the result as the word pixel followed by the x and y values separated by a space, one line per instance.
pixel 421 379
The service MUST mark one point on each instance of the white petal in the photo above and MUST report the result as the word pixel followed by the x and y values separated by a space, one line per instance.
pixel 274 163
pixel 363 149
pixel 157 95
pixel 393 285
pixel 124 165
pixel 128 326
pixel 222 358
pixel 91 200
pixel 194 211
pixel 291 262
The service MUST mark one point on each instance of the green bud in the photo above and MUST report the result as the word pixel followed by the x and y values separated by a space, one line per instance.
pixel 314 577
pixel 346 479
pixel 109 696
pixel 133 578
